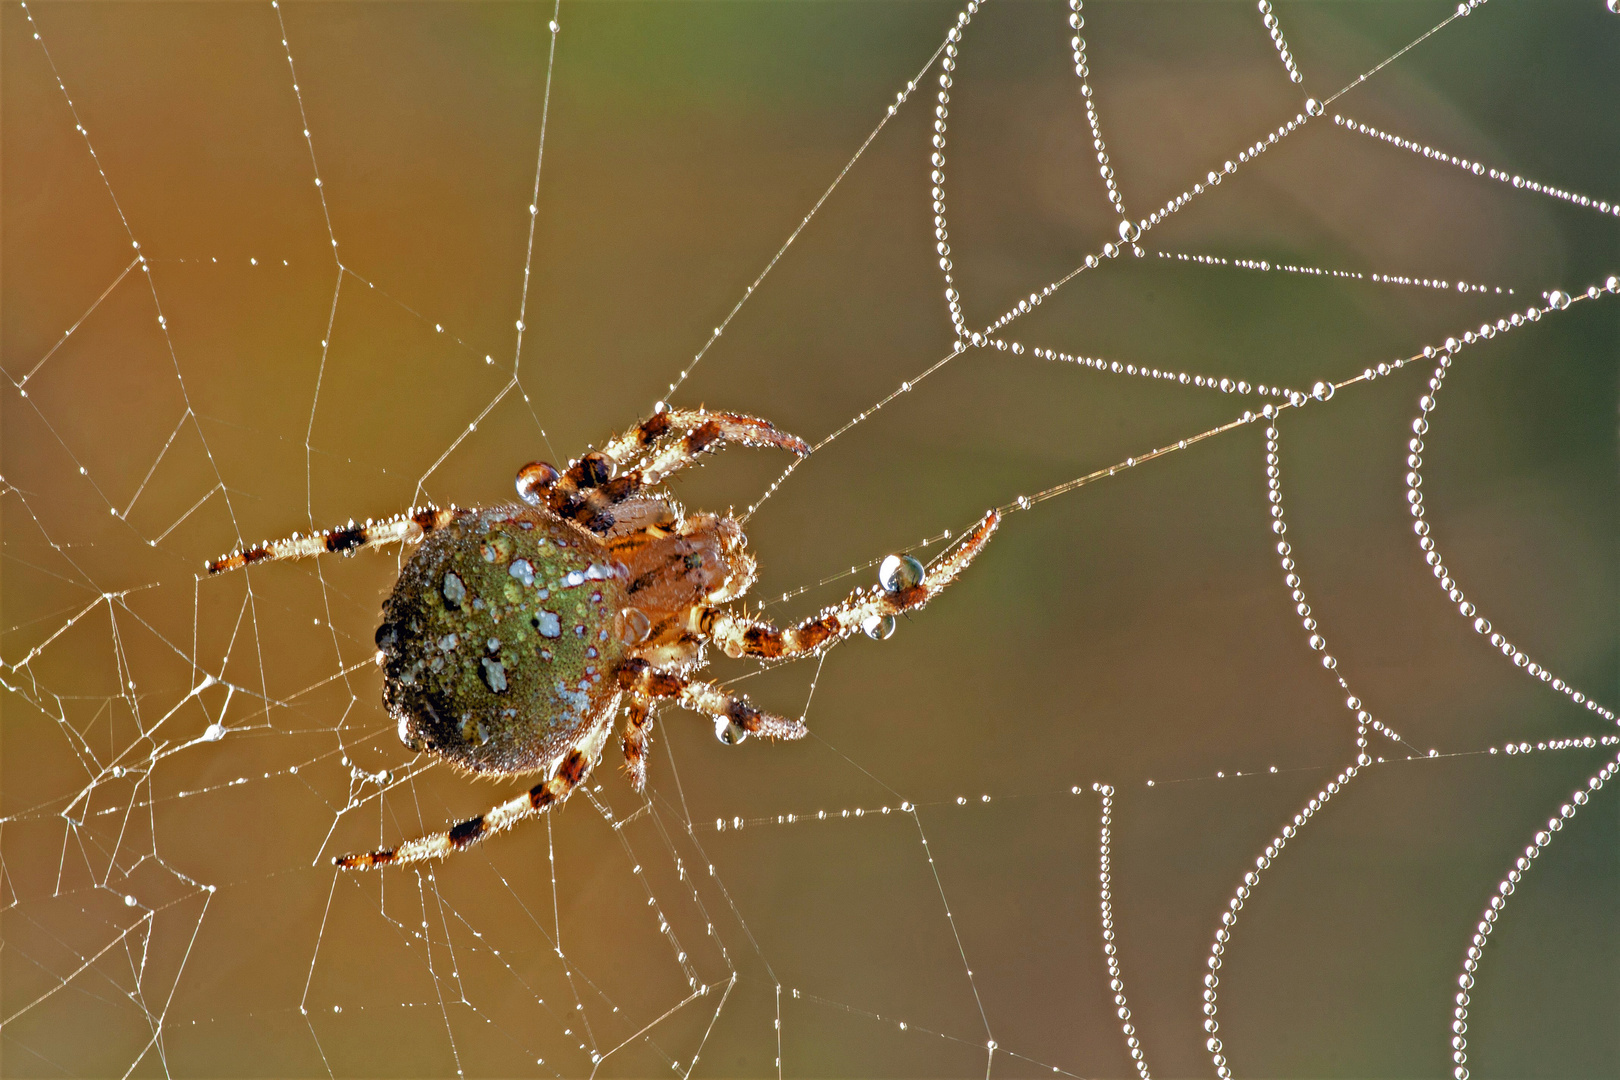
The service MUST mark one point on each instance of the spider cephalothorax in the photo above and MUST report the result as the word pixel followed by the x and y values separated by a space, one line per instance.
pixel 515 633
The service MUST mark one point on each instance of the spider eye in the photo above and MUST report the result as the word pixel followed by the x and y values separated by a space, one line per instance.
pixel 900 572
pixel 729 731
pixel 387 636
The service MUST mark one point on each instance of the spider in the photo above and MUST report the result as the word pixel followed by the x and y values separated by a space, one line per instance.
pixel 515 632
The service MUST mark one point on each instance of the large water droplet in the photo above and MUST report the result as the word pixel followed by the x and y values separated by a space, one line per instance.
pixel 878 627
pixel 534 478
pixel 636 625
pixel 899 572
pixel 729 731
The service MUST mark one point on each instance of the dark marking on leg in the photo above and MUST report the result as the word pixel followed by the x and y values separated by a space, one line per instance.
pixel 741 713
pixel 239 560
pixel 653 427
pixel 593 470
pixel 701 438
pixel 637 728
pixel 814 633
pixel 622 487
pixel 573 769
pixel 366 861
pixel 763 641
pixel 638 675
pixel 630 672
pixel 345 539
pixel 467 833
pixel 540 796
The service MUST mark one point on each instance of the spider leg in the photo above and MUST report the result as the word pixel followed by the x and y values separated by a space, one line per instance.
pixel 588 491
pixel 709 431
pixel 702 430
pixel 638 724
pixel 570 774
pixel 735 719
pixel 740 635
pixel 408 527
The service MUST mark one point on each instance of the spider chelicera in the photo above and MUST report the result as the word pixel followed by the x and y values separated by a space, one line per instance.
pixel 514 633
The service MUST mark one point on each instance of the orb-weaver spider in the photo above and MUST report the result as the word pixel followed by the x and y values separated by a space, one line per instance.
pixel 514 633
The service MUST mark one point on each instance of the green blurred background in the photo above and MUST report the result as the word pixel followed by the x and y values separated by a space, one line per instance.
pixel 1135 630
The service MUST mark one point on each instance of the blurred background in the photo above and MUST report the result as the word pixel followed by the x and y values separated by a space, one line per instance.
pixel 166 899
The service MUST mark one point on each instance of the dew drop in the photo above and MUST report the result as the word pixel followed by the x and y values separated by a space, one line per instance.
pixel 454 590
pixel 899 572
pixel 636 625
pixel 878 627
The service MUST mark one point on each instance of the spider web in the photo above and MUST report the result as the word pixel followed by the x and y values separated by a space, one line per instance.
pixel 270 268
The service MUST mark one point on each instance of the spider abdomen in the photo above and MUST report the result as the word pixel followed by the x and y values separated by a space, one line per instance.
pixel 499 642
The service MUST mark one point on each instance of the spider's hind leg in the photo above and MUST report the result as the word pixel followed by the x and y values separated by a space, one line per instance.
pixel 404 528
pixel 570 774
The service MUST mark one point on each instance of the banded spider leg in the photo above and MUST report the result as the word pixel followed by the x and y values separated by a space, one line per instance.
pixel 592 488
pixel 406 528
pixel 904 589
pixel 571 772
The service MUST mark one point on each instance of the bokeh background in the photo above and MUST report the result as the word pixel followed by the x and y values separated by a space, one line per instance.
pixel 1134 630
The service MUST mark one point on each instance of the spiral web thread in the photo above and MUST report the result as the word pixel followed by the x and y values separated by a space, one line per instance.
pixel 127 959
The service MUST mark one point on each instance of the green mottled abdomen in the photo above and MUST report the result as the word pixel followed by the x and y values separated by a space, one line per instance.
pixel 498 641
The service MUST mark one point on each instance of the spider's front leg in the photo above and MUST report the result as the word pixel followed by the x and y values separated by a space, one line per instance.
pixel 734 718
pixel 904 587
pixel 593 485
pixel 408 527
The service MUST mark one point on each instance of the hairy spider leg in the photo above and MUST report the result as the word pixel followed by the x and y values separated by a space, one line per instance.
pixel 638 724
pixel 642 679
pixel 634 445
pixel 405 528
pixel 571 772
pixel 740 635
pixel 589 489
